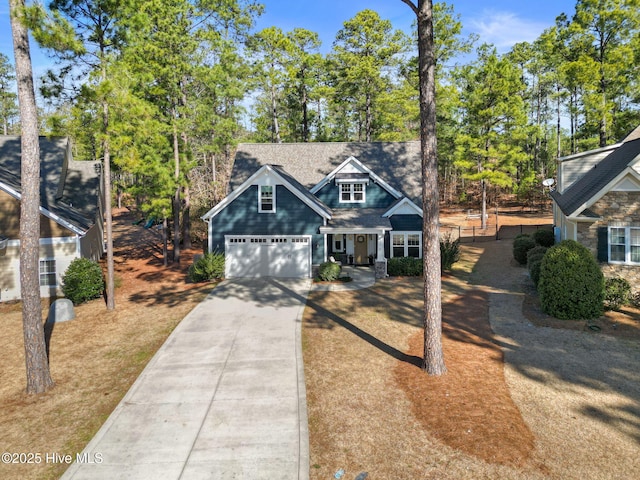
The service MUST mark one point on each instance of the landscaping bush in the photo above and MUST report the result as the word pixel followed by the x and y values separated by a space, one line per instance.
pixel 571 284
pixel 617 292
pixel 404 267
pixel 329 271
pixel 544 237
pixel 521 245
pixel 82 281
pixel 449 252
pixel 208 267
pixel 536 253
pixel 534 270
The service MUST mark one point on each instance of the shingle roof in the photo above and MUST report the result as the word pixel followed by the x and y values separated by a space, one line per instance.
pixel 592 182
pixel 397 163
pixel 70 191
pixel 353 218
pixel 301 188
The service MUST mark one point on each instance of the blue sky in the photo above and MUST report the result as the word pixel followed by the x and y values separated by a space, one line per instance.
pixel 501 22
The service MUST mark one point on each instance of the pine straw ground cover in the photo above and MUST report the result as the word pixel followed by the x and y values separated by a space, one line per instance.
pixel 95 358
pixel 523 403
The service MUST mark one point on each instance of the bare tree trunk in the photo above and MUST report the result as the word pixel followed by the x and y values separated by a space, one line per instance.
pixel 433 362
pixel 274 116
pixel 186 219
pixel 37 365
pixel 110 287
pixel 176 195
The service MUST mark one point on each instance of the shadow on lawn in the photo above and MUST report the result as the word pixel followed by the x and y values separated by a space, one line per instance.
pixel 583 358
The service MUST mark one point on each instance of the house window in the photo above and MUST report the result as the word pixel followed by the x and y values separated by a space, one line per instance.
pixel 338 243
pixel 47 273
pixel 266 200
pixel 405 244
pixel 413 245
pixel 352 193
pixel 624 244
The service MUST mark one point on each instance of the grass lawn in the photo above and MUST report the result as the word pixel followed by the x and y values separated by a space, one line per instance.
pixel 371 408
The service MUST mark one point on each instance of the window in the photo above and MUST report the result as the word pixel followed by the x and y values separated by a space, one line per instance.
pixel 624 244
pixel 398 245
pixel 266 203
pixel 352 193
pixel 47 273
pixel 413 245
pixel 405 244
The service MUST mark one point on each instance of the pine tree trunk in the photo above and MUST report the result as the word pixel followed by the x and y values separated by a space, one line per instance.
pixel 433 362
pixel 176 195
pixel 37 365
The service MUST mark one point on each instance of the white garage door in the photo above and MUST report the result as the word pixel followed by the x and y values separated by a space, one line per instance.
pixel 282 256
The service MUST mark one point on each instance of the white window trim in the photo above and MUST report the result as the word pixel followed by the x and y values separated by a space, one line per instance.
pixel 352 192
pixel 55 272
pixel 406 243
pixel 627 246
pixel 273 199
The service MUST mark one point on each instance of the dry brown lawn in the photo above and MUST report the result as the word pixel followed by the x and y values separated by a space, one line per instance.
pixel 95 358
pixel 519 401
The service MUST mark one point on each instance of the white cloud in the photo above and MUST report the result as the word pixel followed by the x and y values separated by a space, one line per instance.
pixel 505 29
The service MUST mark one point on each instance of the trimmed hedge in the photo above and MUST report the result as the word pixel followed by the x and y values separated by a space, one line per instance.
pixel 404 267
pixel 571 284
pixel 208 267
pixel 545 238
pixel 617 292
pixel 82 281
pixel 329 271
pixel 521 245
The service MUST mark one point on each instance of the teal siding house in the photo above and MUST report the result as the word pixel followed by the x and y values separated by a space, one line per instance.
pixel 294 206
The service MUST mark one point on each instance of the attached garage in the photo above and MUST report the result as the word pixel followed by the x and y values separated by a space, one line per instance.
pixel 284 256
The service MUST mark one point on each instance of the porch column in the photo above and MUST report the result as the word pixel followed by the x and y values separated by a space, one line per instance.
pixel 380 237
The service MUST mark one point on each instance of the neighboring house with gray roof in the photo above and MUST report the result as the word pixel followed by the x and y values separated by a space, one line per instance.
pixel 293 206
pixel 71 206
pixel 597 203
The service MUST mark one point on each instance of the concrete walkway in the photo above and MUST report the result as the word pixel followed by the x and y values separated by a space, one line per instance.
pixel 223 398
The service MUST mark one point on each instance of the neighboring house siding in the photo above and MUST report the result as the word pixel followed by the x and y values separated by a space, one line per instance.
pixel 614 208
pixel 63 250
pixel 406 223
pixel 10 221
pixel 92 244
pixel 572 169
pixel 292 217
pixel 376 197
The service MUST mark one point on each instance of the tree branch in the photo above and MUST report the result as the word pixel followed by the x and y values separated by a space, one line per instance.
pixel 411 5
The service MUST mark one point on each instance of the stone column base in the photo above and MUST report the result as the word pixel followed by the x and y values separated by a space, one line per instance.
pixel 381 269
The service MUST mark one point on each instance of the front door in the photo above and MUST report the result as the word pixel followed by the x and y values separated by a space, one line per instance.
pixel 360 250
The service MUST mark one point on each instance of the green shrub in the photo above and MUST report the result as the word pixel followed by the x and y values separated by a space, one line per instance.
pixel 544 237
pixel 571 284
pixel 534 261
pixel 208 267
pixel 329 271
pixel 449 252
pixel 404 267
pixel 521 245
pixel 535 254
pixel 82 281
pixel 534 270
pixel 617 292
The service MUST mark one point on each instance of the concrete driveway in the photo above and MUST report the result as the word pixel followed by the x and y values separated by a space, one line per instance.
pixel 223 398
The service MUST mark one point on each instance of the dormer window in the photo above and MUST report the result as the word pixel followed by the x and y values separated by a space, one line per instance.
pixel 266 199
pixel 352 193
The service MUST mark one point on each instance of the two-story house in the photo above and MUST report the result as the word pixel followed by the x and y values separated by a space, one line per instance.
pixel 294 206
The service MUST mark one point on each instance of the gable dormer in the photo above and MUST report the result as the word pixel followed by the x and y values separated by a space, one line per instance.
pixel 353 185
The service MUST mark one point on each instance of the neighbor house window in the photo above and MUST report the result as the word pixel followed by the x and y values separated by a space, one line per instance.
pixel 352 193
pixel 338 243
pixel 405 244
pixel 266 201
pixel 47 273
pixel 624 244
